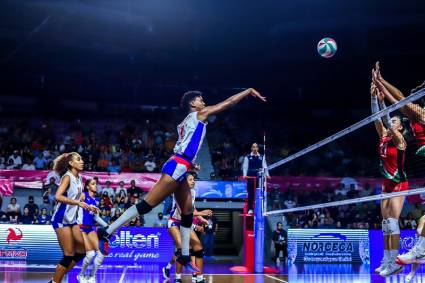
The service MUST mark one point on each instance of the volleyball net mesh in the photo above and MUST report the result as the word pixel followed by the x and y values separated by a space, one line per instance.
pixel 337 182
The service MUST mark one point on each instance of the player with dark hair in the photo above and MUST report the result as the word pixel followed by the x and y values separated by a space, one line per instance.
pixel 196 246
pixel 392 150
pixel 191 133
pixel 87 219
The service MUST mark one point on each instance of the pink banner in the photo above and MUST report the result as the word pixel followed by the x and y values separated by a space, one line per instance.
pixel 36 178
pixel 6 187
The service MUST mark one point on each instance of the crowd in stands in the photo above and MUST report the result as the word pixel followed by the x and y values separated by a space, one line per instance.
pixel 119 146
pixel 364 215
pixel 112 203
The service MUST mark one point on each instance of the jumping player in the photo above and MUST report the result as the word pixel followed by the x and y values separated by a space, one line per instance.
pixel 191 133
pixel 173 228
pixel 64 220
pixel 416 115
pixel 86 219
pixel 392 149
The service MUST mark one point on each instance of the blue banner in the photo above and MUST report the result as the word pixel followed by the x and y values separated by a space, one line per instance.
pixel 129 246
pixel 328 246
pixel 221 190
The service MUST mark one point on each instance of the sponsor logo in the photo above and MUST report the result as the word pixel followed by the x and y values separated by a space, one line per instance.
pixel 14 235
pixel 126 239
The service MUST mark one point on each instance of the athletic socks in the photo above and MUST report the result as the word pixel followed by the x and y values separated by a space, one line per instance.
pixel 169 265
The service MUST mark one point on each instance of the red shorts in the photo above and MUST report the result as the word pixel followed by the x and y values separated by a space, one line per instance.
pixel 389 186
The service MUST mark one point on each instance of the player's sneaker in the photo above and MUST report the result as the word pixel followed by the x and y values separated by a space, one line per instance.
pixel 177 280
pixel 415 255
pixel 410 276
pixel 166 272
pixel 391 269
pixel 81 278
pixel 103 240
pixel 91 279
pixel 186 261
pixel 384 264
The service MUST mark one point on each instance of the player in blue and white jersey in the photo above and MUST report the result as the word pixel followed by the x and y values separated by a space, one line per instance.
pixel 191 133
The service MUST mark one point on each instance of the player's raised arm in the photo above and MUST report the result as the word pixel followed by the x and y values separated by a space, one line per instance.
pixel 229 102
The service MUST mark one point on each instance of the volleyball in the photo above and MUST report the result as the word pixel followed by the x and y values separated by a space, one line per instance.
pixel 327 47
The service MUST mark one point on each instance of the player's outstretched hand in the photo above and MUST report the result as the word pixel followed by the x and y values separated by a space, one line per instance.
pixel 255 93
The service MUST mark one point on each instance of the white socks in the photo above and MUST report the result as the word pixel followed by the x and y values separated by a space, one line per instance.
pixel 87 260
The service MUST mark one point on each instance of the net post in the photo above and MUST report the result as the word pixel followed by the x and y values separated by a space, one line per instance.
pixel 259 225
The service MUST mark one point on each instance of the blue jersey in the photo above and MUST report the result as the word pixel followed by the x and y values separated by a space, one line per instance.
pixel 86 217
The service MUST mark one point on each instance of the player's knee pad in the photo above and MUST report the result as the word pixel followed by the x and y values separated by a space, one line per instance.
pixel 66 261
pixel 178 252
pixel 143 207
pixel 99 258
pixel 187 220
pixel 78 257
pixel 198 254
pixel 384 224
pixel 90 255
pixel 393 227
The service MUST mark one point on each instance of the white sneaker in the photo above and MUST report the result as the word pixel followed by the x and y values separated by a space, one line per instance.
pixel 277 261
pixel 409 277
pixel 383 265
pixel 81 278
pixel 250 211
pixel 415 255
pixel 91 279
pixel 391 269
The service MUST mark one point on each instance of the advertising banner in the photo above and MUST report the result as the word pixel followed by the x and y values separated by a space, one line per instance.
pixel 129 246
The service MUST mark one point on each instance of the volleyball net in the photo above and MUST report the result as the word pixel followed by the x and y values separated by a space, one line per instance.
pixel 337 182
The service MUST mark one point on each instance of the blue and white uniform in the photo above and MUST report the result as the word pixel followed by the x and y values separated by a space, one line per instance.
pixel 191 134
pixel 66 214
pixel 175 214
pixel 86 219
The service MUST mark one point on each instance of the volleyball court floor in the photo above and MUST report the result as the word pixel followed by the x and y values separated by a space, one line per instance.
pixel 16 272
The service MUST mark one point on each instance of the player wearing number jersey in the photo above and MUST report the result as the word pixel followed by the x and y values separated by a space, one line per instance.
pixel 173 178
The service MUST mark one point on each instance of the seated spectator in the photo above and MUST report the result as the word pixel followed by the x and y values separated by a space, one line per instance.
pixel 52 186
pixel 108 190
pixel 33 208
pixel 280 239
pixel 290 203
pixel 121 191
pixel 160 222
pixel 150 165
pixel 113 167
pixel 410 221
pixel 98 186
pixel 105 216
pixel 121 203
pixel 40 162
pixel 43 218
pixel 102 203
pixel 49 195
pixel 47 204
pixel 15 160
pixel 135 191
pixel 117 214
pixel 13 209
pixel 28 165
pixel 27 218
pixel 140 222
